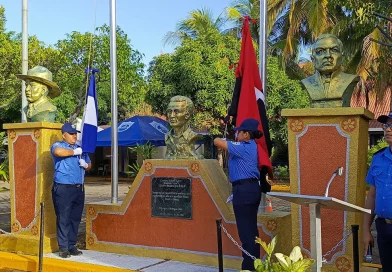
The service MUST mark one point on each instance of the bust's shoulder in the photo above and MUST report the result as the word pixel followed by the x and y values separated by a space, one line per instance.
pixel 48 106
pixel 189 135
pixel 348 77
pixel 311 79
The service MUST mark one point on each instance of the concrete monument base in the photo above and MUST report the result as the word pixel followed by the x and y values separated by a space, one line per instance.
pixel 321 141
pixel 169 213
pixel 31 179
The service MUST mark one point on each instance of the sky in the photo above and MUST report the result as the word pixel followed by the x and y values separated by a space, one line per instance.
pixel 145 22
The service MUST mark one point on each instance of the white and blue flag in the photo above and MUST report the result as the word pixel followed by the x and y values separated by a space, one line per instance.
pixel 89 128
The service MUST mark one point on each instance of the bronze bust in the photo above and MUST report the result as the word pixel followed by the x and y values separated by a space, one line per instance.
pixel 39 86
pixel 180 141
pixel 329 87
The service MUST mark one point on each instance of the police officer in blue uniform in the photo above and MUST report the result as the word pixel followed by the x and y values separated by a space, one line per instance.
pixel 70 164
pixel 379 198
pixel 244 176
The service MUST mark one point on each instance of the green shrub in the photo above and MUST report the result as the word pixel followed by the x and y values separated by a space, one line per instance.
pixel 380 144
pixel 146 151
pixel 292 263
pixel 281 172
pixel 4 171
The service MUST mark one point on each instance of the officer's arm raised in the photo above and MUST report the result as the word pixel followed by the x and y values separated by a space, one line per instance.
pixel 220 143
pixel 63 152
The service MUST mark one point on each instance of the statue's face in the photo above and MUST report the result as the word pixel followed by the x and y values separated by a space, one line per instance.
pixel 35 90
pixel 177 113
pixel 327 56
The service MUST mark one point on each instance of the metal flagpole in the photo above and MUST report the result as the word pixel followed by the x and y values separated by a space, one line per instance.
pixel 25 56
pixel 113 70
pixel 263 67
pixel 263 44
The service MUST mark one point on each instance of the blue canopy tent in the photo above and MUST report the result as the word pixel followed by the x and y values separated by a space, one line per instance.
pixel 136 130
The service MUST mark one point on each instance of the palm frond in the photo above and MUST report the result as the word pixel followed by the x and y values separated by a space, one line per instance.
pixel 173 38
pixel 296 16
pixel 276 9
pixel 317 16
pixel 370 52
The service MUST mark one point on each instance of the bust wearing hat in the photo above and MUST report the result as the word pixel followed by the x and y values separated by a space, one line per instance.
pixel 39 86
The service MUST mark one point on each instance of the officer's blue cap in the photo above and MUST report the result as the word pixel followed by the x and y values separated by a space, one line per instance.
pixel 249 124
pixel 69 128
pixel 384 118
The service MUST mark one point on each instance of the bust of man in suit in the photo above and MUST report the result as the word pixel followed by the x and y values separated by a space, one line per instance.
pixel 39 86
pixel 180 141
pixel 329 87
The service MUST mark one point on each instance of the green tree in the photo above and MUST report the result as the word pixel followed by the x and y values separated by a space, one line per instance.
pixel 67 60
pixel 72 58
pixel 199 69
pixel 200 22
pixel 11 64
pixel 294 25
pixel 282 93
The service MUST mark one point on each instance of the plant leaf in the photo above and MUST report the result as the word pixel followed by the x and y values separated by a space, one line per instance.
pixel 265 247
pixel 282 260
pixel 296 254
pixel 302 265
pixel 258 264
pixel 272 244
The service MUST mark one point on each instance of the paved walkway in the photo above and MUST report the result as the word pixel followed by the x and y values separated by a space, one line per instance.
pixel 136 263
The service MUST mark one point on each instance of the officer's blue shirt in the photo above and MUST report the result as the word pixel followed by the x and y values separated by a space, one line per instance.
pixel 242 160
pixel 380 176
pixel 67 169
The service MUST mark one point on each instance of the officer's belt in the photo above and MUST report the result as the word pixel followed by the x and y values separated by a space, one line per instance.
pixel 68 185
pixel 243 181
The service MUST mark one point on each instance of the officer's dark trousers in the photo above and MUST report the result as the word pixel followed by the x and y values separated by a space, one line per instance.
pixel 384 242
pixel 246 200
pixel 68 201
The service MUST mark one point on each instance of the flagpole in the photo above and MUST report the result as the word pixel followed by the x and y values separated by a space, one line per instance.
pixel 113 71
pixel 263 68
pixel 25 55
pixel 263 46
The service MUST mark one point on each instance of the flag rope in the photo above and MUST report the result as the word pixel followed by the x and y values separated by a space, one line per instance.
pixel 90 52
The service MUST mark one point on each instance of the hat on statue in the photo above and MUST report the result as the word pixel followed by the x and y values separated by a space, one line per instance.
pixel 42 75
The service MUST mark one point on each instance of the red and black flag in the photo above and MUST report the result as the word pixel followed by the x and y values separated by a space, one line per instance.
pixel 248 97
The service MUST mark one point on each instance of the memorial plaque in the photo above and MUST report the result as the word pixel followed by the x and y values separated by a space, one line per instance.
pixel 171 197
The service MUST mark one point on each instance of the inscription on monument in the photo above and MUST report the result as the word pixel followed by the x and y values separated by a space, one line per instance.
pixel 171 197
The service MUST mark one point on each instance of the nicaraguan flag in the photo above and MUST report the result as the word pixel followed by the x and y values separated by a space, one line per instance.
pixel 89 128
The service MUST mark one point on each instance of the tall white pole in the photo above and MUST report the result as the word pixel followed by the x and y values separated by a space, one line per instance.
pixel 113 72
pixel 263 44
pixel 25 56
pixel 263 67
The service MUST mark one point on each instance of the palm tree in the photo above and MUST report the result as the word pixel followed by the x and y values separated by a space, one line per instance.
pixel 290 23
pixel 374 67
pixel 199 22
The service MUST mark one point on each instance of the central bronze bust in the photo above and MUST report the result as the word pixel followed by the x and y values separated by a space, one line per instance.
pixel 329 87
pixel 180 141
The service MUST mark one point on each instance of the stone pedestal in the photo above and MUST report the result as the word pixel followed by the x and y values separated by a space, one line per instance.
pixel 169 213
pixel 320 141
pixel 31 180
